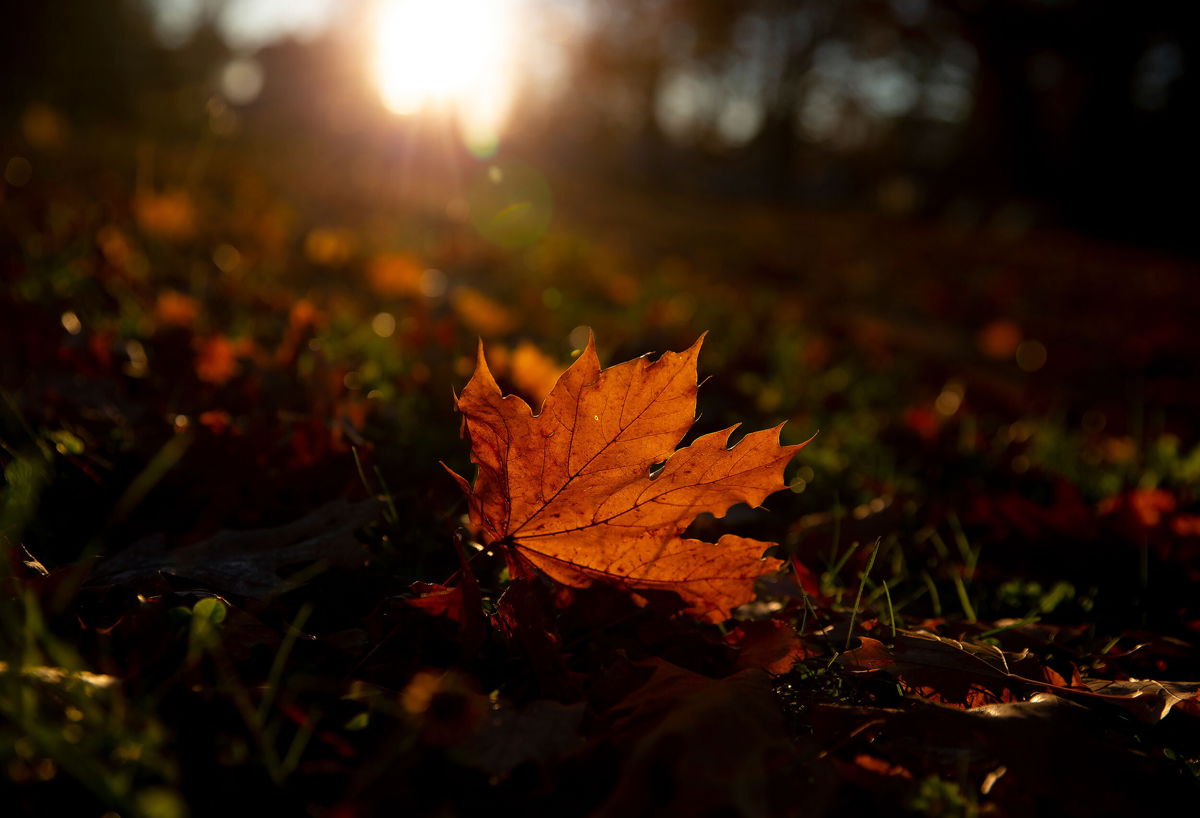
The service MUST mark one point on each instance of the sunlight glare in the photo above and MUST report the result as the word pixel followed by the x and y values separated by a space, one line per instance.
pixel 450 56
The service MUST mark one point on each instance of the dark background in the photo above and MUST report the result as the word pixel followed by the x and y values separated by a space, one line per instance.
pixel 1029 112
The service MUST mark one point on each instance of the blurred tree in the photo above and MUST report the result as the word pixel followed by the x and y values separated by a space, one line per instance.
pixel 87 58
pixel 1078 112
pixel 1078 109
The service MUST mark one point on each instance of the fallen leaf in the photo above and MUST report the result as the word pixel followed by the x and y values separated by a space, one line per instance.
pixel 247 563
pixel 438 600
pixel 1150 699
pixel 951 672
pixel 769 645
pixel 692 745
pixel 1038 757
pixel 972 676
pixel 522 618
pixel 574 490
pixel 540 732
pixel 446 707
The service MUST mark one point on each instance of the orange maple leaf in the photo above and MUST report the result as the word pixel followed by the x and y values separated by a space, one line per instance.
pixel 575 490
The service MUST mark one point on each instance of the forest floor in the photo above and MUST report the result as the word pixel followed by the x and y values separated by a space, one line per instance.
pixel 235 572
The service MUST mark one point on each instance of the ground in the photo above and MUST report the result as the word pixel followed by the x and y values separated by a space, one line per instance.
pixel 236 572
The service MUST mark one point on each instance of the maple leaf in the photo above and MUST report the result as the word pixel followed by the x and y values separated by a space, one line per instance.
pixel 576 490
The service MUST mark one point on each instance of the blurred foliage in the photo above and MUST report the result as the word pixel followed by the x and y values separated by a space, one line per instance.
pixel 976 113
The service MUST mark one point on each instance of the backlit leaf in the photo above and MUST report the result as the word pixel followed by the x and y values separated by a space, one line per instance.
pixel 574 490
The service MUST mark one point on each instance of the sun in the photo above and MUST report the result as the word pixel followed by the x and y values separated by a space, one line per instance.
pixel 448 56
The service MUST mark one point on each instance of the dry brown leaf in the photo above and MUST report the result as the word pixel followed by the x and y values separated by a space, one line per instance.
pixel 540 732
pixel 573 490
pixel 951 672
pixel 248 563
pixel 969 675
pixel 769 645
pixel 692 746
pixel 1152 699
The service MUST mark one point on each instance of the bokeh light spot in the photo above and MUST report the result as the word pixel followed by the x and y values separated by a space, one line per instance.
pixel 71 322
pixel 1094 421
pixel 18 171
pixel 511 206
pixel 227 258
pixel 1031 355
pixel 950 399
pixel 579 336
pixel 242 80
pixel 329 247
pixel 43 127
pixel 138 364
pixel 999 340
pixel 384 324
pixel 433 283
